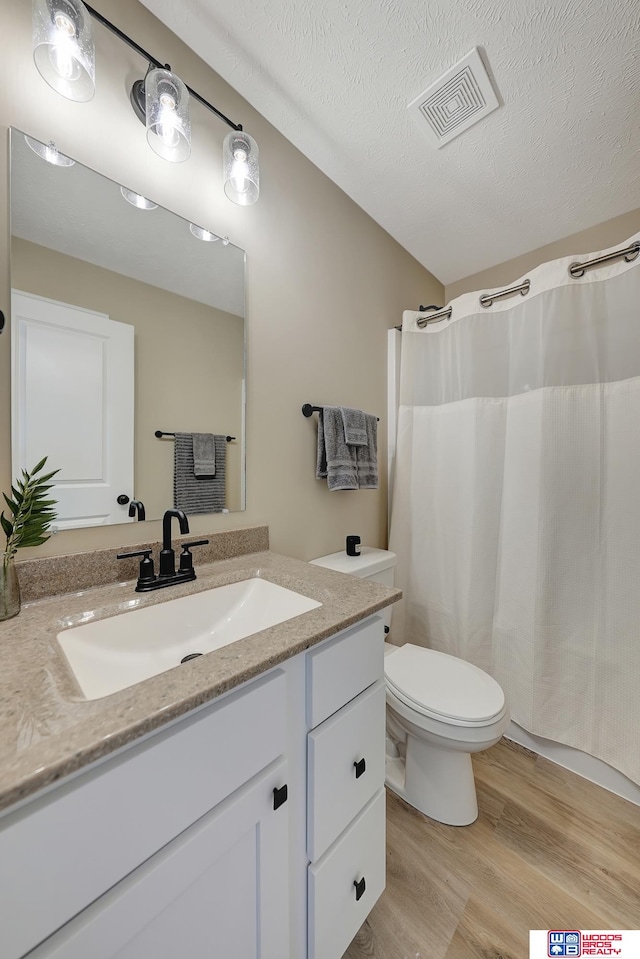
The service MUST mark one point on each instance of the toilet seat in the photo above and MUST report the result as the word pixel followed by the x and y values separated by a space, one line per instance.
pixel 443 687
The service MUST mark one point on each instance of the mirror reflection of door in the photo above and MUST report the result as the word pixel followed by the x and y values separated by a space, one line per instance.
pixel 73 401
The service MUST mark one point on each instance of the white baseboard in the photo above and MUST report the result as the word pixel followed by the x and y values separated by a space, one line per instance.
pixel 595 770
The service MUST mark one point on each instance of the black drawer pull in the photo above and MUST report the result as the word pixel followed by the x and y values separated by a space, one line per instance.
pixel 360 888
pixel 280 796
pixel 360 767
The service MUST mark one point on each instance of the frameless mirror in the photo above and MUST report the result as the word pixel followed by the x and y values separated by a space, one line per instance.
pixel 127 322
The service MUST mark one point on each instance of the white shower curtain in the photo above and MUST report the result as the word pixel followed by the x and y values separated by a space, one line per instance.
pixel 516 507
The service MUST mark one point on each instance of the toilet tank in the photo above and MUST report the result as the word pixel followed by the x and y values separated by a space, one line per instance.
pixel 377 565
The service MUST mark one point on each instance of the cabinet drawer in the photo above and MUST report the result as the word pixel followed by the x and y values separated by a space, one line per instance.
pixel 335 914
pixel 342 667
pixel 64 850
pixel 345 767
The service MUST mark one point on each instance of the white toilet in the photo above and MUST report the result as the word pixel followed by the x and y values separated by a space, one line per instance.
pixel 440 709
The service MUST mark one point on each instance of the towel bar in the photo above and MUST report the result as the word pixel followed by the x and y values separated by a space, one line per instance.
pixel 309 410
pixel 161 433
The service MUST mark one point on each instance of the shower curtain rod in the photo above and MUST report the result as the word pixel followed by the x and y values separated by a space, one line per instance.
pixel 576 270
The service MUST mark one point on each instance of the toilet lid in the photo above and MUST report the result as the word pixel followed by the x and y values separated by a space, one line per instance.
pixel 442 685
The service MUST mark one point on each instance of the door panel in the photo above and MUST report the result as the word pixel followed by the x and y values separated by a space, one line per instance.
pixel 219 889
pixel 62 353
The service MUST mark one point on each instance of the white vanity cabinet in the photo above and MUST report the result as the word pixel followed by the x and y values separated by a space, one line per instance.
pixel 200 840
pixel 178 815
pixel 345 786
pixel 219 889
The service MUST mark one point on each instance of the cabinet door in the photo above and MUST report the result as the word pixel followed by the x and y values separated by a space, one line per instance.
pixel 218 890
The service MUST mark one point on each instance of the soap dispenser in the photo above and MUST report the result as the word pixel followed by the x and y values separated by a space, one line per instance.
pixel 353 542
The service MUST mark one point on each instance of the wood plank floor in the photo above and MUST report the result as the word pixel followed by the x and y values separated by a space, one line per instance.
pixel 548 850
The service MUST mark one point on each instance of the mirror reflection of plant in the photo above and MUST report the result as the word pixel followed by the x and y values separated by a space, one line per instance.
pixel 31 512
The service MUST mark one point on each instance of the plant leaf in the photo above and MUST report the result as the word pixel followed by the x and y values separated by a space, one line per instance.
pixel 32 510
pixel 6 525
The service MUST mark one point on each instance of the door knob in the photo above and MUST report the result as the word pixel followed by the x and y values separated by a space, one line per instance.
pixel 123 499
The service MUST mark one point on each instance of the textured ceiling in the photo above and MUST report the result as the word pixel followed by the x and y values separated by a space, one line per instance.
pixel 561 154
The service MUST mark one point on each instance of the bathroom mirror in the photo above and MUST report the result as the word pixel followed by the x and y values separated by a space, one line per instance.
pixel 126 320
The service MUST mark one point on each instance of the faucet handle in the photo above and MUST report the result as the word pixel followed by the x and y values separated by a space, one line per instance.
pixel 186 559
pixel 147 573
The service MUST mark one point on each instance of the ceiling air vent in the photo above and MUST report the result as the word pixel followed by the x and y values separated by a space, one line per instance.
pixel 461 97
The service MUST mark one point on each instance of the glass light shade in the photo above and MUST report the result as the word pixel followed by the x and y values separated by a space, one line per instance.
pixel 49 152
pixel 168 119
pixel 137 200
pixel 240 168
pixel 203 234
pixel 63 48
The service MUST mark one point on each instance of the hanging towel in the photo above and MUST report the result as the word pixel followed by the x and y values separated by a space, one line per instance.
pixel 198 494
pixel 336 460
pixel 345 467
pixel 204 454
pixel 355 426
pixel 367 456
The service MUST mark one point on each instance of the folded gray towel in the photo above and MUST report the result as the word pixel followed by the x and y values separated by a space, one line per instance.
pixel 367 456
pixel 204 454
pixel 198 494
pixel 344 466
pixel 355 426
pixel 336 460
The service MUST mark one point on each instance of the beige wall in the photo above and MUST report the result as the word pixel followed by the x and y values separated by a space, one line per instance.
pixel 324 282
pixel 197 388
pixel 595 238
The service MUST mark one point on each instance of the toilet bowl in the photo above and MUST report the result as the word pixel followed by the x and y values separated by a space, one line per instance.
pixel 440 710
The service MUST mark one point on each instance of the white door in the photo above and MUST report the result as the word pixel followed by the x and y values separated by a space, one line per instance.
pixel 218 891
pixel 73 401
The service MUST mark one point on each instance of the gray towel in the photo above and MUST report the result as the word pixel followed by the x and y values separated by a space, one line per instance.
pixel 204 454
pixel 355 426
pixel 198 494
pixel 367 456
pixel 345 467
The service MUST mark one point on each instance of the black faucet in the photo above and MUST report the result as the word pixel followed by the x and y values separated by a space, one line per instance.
pixel 137 506
pixel 167 575
pixel 167 555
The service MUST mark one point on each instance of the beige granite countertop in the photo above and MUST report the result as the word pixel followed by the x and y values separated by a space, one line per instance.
pixel 48 730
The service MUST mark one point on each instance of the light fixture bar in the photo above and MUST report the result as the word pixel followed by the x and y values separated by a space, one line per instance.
pixel 147 56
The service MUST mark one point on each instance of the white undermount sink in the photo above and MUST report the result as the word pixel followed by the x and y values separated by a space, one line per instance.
pixel 111 654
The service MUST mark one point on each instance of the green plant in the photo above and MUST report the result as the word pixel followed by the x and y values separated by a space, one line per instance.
pixel 31 512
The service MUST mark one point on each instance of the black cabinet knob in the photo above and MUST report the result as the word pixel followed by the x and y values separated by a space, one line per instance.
pixel 280 796
pixel 360 767
pixel 123 499
pixel 360 888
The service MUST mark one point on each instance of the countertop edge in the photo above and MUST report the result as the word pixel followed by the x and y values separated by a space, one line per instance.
pixel 239 663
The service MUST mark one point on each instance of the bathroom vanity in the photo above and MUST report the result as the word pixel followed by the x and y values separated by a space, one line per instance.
pixel 248 823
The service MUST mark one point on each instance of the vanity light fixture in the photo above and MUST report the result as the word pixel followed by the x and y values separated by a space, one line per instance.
pixel 137 200
pixel 63 48
pixel 202 234
pixel 49 152
pixel 65 56
pixel 241 171
pixel 207 235
pixel 161 102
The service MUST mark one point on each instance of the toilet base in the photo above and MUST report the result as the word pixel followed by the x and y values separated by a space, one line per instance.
pixel 438 782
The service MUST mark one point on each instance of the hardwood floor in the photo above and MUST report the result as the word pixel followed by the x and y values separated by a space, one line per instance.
pixel 548 850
